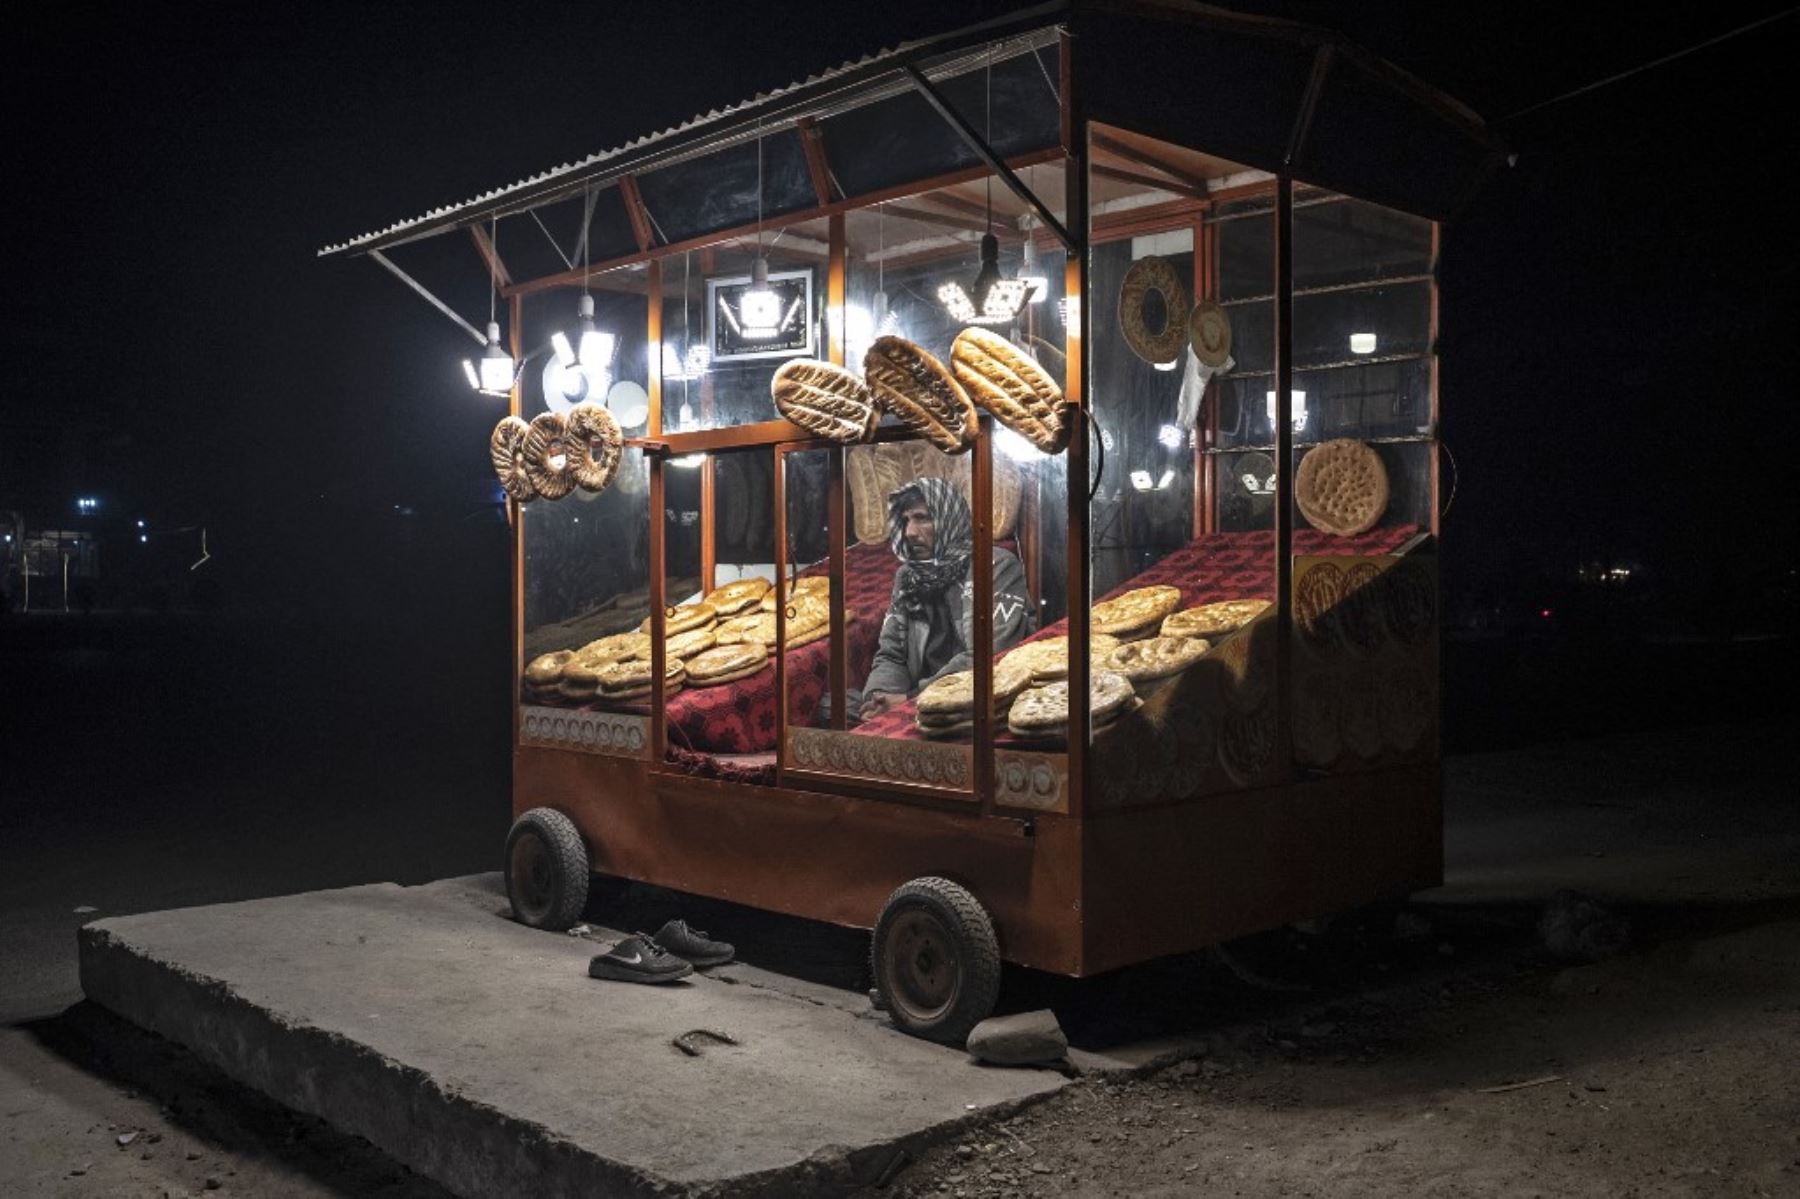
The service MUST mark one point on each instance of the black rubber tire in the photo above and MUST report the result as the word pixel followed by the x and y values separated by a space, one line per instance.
pixel 935 960
pixel 546 870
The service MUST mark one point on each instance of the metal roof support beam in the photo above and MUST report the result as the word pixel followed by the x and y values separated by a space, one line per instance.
pixel 1155 181
pixel 436 303
pixel 948 221
pixel 485 247
pixel 986 153
pixel 1131 154
pixel 634 208
pixel 812 140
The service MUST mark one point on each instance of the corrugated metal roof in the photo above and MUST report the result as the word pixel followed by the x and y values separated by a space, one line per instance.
pixel 534 188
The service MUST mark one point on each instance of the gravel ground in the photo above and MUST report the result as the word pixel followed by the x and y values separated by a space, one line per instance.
pixel 1664 1072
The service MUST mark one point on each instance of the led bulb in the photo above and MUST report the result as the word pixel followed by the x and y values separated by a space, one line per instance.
pixel 565 353
pixel 1362 343
pixel 1297 412
pixel 496 364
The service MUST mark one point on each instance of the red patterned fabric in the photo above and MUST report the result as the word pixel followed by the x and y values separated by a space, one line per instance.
pixel 739 718
pixel 1213 567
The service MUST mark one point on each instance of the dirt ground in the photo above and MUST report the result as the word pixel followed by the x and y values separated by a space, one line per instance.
pixel 1674 1071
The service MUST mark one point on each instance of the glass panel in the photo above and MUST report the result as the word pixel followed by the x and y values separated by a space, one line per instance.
pixel 1364 683
pixel 721 561
pixel 720 354
pixel 587 554
pixel 1182 547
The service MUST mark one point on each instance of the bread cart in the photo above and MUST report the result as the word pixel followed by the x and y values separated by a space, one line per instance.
pixel 1217 237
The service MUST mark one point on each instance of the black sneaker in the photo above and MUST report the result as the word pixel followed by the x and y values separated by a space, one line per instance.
pixel 693 945
pixel 638 959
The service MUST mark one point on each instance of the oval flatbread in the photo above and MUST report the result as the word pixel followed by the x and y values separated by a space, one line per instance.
pixel 1135 613
pixel 1048 657
pixel 686 645
pixel 739 596
pixel 955 693
pixel 1156 658
pixel 547 456
pixel 1045 710
pixel 825 399
pixel 506 447
pixel 546 669
pixel 726 664
pixel 1007 382
pixel 1341 487
pixel 907 380
pixel 683 618
pixel 1213 620
pixel 620 647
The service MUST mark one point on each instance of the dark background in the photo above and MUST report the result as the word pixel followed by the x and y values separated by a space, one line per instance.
pixel 1617 314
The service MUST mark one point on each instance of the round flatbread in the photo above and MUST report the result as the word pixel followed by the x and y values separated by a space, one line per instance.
pixel 955 693
pixel 686 645
pixel 681 619
pixel 1209 334
pixel 1316 598
pixel 1341 487
pixel 618 677
pixel 1213 620
pixel 546 669
pixel 1138 610
pixel 726 664
pixel 1048 657
pixel 1156 658
pixel 941 732
pixel 1164 345
pixel 620 647
pixel 739 596
pixel 1042 710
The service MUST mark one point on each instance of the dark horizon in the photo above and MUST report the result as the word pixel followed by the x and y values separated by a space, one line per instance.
pixel 1611 303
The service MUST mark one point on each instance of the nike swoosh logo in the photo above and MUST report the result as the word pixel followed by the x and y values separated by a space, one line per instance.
pixel 634 960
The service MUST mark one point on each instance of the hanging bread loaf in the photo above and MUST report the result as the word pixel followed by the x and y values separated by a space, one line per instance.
pixel 1341 487
pixel 547 456
pixel 1005 380
pixel 594 446
pixel 825 399
pixel 1164 345
pixel 507 449
pixel 907 381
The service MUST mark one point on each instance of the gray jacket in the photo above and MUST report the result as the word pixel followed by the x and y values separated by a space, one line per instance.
pixel 900 658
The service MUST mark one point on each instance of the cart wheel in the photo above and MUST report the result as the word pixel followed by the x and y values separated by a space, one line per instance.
pixel 546 870
pixel 935 960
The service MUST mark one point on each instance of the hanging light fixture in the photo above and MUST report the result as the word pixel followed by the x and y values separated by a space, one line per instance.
pixel 759 308
pixel 495 375
pixel 994 299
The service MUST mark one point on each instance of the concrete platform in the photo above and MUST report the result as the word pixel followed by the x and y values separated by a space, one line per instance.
pixel 480 1054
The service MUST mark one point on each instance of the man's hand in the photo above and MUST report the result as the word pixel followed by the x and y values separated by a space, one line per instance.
pixel 877 702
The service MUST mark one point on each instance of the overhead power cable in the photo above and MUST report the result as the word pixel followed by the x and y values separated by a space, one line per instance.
pixel 1667 58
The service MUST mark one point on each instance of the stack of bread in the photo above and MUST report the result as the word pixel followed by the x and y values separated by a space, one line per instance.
pixel 1149 661
pixel 808 619
pixel 946 706
pixel 1042 713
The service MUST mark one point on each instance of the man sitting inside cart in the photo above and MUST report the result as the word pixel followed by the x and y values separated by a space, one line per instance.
pixel 930 617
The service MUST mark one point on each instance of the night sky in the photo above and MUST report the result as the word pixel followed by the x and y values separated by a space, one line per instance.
pixel 1614 311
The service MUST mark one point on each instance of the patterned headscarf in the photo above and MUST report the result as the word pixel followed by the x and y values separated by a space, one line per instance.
pixel 922 582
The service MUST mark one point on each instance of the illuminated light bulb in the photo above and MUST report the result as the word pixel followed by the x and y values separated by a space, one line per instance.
pixel 142 537
pixel 496 366
pixel 1140 479
pixel 1170 365
pixel 1298 412
pixel 629 402
pixel 699 360
pixel 688 461
pixel 759 308
pixel 671 363
pixel 993 300
pixel 565 353
pixel 595 349
pixel 1168 476
pixel 468 366
pixel 1173 437
pixel 1362 343
pixel 887 321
